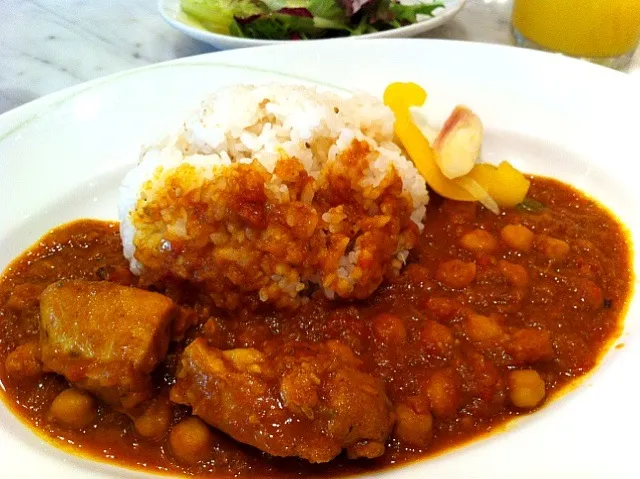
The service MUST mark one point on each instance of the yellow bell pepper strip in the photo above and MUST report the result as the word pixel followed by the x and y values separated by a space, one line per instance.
pixel 492 186
pixel 399 97
pixel 508 186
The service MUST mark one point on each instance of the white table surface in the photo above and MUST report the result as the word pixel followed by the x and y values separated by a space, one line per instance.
pixel 48 45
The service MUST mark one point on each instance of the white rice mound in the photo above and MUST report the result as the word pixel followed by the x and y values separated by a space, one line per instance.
pixel 240 124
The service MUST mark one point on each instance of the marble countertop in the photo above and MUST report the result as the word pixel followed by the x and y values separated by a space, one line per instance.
pixel 48 45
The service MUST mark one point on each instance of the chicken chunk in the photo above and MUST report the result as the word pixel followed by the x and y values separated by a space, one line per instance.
pixel 292 399
pixel 105 338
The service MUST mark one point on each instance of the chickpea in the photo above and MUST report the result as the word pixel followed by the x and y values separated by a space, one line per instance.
pixel 418 274
pixel 517 237
pixel 413 428
pixel 74 408
pixel 154 422
pixel 483 328
pixel 526 388
pixel 479 240
pixel 443 391
pixel 530 345
pixel 24 361
pixel 443 309
pixel 515 274
pixel 191 441
pixel 389 328
pixel 436 336
pixel 553 248
pixel 590 293
pixel 456 273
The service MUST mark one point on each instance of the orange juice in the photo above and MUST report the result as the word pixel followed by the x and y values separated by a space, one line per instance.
pixel 584 28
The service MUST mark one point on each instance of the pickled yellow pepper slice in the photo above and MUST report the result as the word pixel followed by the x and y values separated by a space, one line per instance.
pixel 399 97
pixel 502 185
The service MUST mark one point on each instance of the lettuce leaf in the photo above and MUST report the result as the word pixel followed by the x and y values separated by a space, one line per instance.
pixel 280 26
pixel 285 24
pixel 405 14
pixel 329 10
pixel 218 15
pixel 275 5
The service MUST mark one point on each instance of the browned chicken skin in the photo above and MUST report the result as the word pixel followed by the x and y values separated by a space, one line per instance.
pixel 104 337
pixel 292 399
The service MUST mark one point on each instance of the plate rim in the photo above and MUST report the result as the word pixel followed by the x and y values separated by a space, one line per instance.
pixel 14 115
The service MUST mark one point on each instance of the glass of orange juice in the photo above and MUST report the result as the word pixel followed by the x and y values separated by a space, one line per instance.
pixel 603 31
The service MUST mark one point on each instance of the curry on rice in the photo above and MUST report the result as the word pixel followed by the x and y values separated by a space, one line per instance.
pixel 326 328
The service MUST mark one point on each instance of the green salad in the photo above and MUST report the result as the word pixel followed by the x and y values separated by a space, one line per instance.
pixel 303 19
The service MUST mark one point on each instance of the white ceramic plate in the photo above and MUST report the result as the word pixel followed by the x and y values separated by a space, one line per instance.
pixel 171 12
pixel 62 158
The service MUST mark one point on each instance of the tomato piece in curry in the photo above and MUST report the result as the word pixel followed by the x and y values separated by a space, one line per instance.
pixel 492 317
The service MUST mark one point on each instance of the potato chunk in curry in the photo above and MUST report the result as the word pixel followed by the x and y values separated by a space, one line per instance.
pixel 292 399
pixel 104 337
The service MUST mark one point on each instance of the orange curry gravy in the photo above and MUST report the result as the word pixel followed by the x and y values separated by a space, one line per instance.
pixel 467 311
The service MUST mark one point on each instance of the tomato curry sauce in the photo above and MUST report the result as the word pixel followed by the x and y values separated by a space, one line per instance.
pixel 491 317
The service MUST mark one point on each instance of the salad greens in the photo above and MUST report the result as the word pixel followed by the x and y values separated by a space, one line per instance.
pixel 531 206
pixel 303 19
